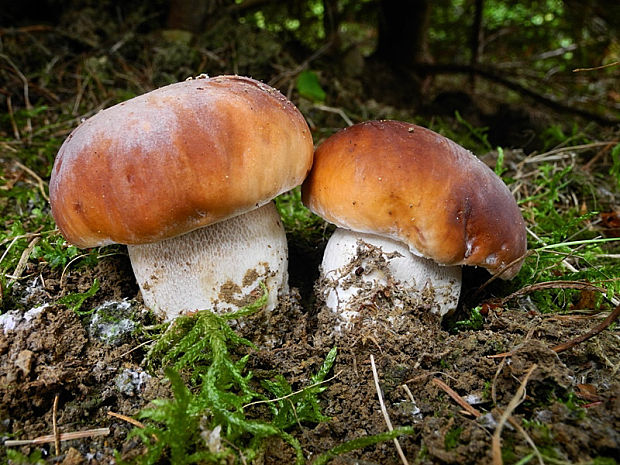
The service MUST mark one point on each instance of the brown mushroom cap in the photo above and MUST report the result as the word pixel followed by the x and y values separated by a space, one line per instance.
pixel 176 159
pixel 411 184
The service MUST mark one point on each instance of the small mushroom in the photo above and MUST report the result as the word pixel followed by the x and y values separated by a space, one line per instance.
pixel 184 175
pixel 411 206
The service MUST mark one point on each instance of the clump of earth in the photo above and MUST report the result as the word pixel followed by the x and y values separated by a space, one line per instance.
pixel 571 410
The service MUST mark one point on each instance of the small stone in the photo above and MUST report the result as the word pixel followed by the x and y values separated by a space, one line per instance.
pixel 72 457
pixel 131 382
pixel 24 361
pixel 111 322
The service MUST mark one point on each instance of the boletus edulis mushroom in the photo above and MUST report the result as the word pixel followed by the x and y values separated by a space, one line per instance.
pixel 185 176
pixel 420 203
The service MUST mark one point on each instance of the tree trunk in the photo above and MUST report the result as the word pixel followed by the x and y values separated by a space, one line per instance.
pixel 188 15
pixel 403 26
pixel 476 40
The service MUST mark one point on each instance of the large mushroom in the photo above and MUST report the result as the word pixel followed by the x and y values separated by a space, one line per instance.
pixel 411 206
pixel 184 175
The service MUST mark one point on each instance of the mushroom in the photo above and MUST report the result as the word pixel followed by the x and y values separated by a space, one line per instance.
pixel 184 175
pixel 411 206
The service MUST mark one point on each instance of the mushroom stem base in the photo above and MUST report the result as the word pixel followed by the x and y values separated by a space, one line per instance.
pixel 218 267
pixel 357 265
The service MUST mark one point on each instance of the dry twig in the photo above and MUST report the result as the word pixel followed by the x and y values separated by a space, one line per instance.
pixel 277 399
pixel 126 418
pixel 499 272
pixel 458 399
pixel 581 285
pixel 567 345
pixel 613 316
pixel 515 424
pixel 55 426
pixel 142 344
pixel 338 111
pixel 500 367
pixel 409 393
pixel 132 421
pixel 511 420
pixel 24 80
pixel 23 260
pixel 64 270
pixel 496 445
pixel 608 65
pixel 91 433
pixel 547 156
pixel 37 178
pixel 384 410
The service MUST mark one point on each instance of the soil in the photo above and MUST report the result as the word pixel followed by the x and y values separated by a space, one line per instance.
pixel 571 410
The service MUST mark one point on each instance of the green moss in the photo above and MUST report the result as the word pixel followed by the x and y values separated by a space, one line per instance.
pixel 76 300
pixel 297 219
pixel 216 401
pixel 451 439
pixel 474 322
pixel 18 458
pixel 604 461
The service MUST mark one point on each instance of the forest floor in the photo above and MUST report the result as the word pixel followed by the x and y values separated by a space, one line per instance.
pixel 508 379
pixel 95 367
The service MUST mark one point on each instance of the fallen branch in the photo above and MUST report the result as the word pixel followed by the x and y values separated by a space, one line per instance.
pixel 494 75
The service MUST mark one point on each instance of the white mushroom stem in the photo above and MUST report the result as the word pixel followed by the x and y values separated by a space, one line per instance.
pixel 356 264
pixel 218 267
